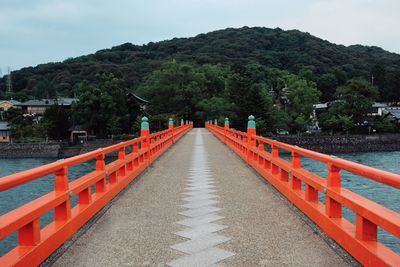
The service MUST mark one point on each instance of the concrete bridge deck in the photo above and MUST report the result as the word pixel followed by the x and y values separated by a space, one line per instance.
pixel 200 205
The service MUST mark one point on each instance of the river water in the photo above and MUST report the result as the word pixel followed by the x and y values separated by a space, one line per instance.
pixel 382 194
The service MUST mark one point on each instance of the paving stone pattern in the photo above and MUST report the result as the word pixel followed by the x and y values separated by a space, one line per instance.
pixel 201 227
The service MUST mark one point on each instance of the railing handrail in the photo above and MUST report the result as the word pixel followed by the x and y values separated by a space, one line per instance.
pixel 15 179
pixel 36 244
pixel 302 188
pixel 371 173
pixel 375 174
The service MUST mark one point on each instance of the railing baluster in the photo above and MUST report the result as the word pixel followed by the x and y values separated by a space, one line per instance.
pixel 296 164
pixel 333 208
pixel 29 235
pixel 100 167
pixel 365 229
pixel 274 155
pixel 62 212
pixel 85 196
pixel 121 157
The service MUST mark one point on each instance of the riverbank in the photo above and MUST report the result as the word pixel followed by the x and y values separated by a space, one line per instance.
pixel 346 143
pixel 29 150
pixel 323 144
pixel 50 150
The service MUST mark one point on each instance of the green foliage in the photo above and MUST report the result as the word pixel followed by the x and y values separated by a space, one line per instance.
pixel 345 122
pixel 44 89
pixel 272 74
pixel 382 125
pixel 358 97
pixel 24 127
pixel 302 95
pixel 187 90
pixel 57 122
pixel 295 51
pixel 95 110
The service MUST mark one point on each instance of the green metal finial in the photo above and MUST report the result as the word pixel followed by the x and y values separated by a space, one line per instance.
pixel 145 123
pixel 171 121
pixel 251 123
pixel 226 121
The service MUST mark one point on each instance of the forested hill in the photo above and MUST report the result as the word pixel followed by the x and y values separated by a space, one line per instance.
pixel 288 50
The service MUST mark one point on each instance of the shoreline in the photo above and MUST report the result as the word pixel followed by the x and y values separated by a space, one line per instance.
pixel 346 143
pixel 322 144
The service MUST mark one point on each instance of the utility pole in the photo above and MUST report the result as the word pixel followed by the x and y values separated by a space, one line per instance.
pixel 9 81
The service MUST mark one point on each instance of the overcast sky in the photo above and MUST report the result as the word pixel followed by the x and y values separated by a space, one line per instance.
pixel 40 31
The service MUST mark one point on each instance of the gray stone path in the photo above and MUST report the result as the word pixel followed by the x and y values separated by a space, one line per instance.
pixel 201 200
pixel 199 203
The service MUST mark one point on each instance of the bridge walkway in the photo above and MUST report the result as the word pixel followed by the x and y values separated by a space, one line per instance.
pixel 199 205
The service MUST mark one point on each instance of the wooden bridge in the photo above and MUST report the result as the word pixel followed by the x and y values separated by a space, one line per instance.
pixel 202 203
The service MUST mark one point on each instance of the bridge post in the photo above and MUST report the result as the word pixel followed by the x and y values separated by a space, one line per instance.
pixel 145 132
pixel 62 212
pixel 251 142
pixel 171 128
pixel 226 127
pixel 182 122
pixel 187 122
pixel 215 122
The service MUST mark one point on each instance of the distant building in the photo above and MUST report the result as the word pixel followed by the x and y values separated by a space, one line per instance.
pixel 393 114
pixel 378 108
pixel 137 105
pixel 5 132
pixel 7 104
pixel 40 106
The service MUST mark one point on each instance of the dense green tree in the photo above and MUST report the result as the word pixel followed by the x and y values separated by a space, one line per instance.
pixel 187 90
pixel 95 110
pixel 358 97
pixel 292 50
pixel 57 122
pixel 302 95
pixel 45 89
pixel 327 85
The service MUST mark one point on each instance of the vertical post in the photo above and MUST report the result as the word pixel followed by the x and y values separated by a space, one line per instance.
pixel 100 167
pixel 365 229
pixel 29 235
pixel 296 163
pixel 171 128
pixel 226 127
pixel 251 142
pixel 333 208
pixel 145 132
pixel 121 157
pixel 274 154
pixel 182 122
pixel 62 212
pixel 215 122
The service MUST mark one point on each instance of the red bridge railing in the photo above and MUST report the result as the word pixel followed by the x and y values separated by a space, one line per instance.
pixel 36 244
pixel 359 239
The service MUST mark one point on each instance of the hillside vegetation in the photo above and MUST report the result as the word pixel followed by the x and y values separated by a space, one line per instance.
pixel 288 50
pixel 273 74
